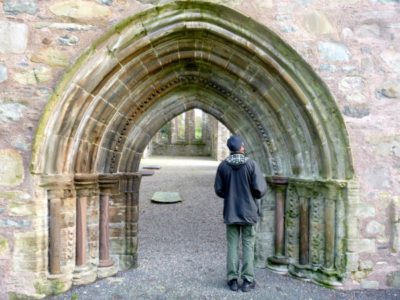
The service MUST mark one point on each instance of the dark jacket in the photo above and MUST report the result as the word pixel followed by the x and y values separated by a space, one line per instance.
pixel 239 181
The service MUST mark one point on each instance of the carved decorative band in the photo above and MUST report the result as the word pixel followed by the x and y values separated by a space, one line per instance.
pixel 311 234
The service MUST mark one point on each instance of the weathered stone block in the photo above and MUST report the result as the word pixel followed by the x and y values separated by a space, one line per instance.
pixel 105 2
pixel 359 275
pixel 28 243
pixel 378 177
pixel 317 23
pixel 21 209
pixel 357 99
pixel 368 284
pixel 364 211
pixel 51 57
pixel 9 223
pixel 79 9
pixel 353 228
pixel 391 89
pixel 352 261
pixel 3 245
pixel 15 196
pixel 3 73
pixel 375 228
pixel 368 31
pixel 11 112
pixel 351 83
pixel 393 279
pixel 14 37
pixel 20 6
pixel 333 51
pixel 392 59
pixel 34 76
pixel 361 245
pixel 395 225
pixel 11 168
pixel 356 111
pixel 68 40
pixel 366 265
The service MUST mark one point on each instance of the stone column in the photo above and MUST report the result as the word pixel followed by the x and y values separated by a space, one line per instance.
pixel 54 198
pixel 189 126
pixel 108 184
pixel 85 185
pixel 130 186
pixel 279 261
pixel 60 194
pixel 330 221
pixel 174 130
pixel 204 129
pixel 304 258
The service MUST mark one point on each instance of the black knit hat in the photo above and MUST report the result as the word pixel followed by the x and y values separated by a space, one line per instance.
pixel 234 143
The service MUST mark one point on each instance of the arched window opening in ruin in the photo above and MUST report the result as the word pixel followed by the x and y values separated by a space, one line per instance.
pixel 199 124
pixel 181 127
pixel 210 141
pixel 152 68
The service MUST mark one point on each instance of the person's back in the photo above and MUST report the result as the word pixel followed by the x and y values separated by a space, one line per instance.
pixel 239 181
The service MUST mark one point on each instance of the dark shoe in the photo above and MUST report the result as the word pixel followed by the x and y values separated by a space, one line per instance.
pixel 247 286
pixel 233 285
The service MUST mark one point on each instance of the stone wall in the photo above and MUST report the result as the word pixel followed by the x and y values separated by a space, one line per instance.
pixel 353 45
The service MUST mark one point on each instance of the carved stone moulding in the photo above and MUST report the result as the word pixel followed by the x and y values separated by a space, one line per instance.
pixel 279 262
pixel 86 186
pixel 310 211
pixel 316 274
pixel 59 188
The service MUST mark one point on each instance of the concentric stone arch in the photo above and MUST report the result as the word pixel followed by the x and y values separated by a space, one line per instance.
pixel 164 61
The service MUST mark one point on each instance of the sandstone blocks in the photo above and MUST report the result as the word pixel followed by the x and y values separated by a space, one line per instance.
pixel 80 10
pixel 3 73
pixel 16 7
pixel 333 52
pixel 11 168
pixel 14 37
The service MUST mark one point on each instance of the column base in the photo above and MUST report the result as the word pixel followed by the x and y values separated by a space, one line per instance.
pixel 278 264
pixel 84 275
pixel 55 284
pixel 317 274
pixel 127 262
pixel 300 271
pixel 107 271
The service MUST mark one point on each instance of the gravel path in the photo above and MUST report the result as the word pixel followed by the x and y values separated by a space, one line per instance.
pixel 182 247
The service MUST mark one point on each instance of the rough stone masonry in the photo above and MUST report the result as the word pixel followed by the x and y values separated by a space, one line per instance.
pixel 353 46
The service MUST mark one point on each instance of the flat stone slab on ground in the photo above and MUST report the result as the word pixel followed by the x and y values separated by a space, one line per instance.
pixel 146 172
pixel 166 197
pixel 153 167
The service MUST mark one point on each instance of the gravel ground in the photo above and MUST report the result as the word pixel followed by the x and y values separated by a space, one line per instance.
pixel 182 247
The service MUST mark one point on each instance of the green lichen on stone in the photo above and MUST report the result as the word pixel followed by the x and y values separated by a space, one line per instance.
pixel 21 209
pixel 12 170
pixel 54 99
pixel 49 287
pixel 18 296
pixel 3 244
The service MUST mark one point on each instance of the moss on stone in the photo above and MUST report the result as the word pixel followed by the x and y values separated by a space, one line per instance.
pixel 49 287
pixel 3 244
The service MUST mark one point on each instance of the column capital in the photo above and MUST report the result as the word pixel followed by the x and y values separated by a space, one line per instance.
pixel 278 182
pixel 85 184
pixel 56 181
pixel 108 181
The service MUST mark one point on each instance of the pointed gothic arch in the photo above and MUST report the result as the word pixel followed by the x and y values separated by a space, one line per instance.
pixel 154 66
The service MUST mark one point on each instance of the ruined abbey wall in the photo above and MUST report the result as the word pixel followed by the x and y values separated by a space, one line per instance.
pixel 353 45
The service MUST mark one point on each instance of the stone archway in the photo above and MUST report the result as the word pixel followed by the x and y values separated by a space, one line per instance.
pixel 152 67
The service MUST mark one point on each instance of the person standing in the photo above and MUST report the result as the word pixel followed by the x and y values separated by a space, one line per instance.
pixel 239 181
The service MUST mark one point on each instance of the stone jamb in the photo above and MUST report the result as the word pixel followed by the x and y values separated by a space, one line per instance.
pixel 86 186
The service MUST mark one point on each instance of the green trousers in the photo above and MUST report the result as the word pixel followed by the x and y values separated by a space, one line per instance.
pixel 247 235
